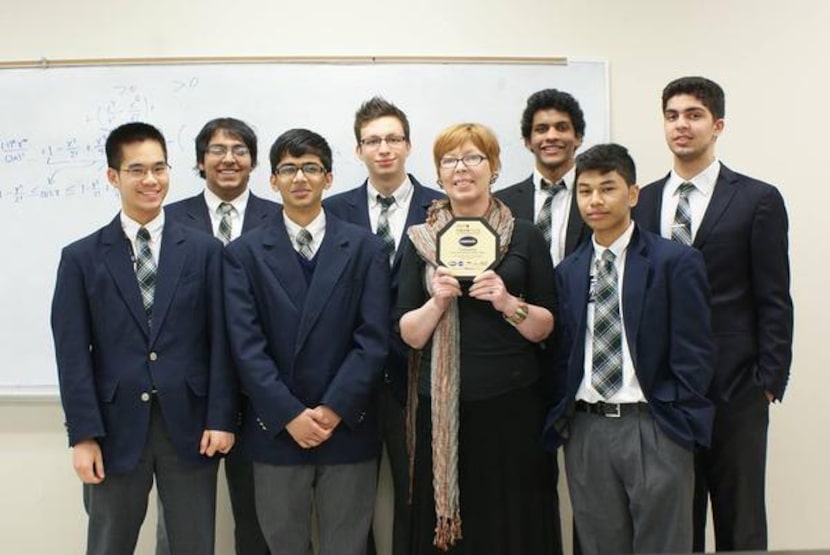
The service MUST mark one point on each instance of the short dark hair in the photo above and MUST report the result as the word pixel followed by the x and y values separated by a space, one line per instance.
pixel 299 142
pixel 707 91
pixel 237 129
pixel 378 107
pixel 552 99
pixel 134 132
pixel 605 159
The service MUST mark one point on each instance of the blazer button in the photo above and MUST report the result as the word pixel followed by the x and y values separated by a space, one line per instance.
pixel 361 417
pixel 145 396
pixel 153 356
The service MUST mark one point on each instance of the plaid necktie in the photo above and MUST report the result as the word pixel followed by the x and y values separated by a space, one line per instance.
pixel 145 271
pixel 543 220
pixel 303 240
pixel 607 356
pixel 225 210
pixel 383 230
pixel 681 229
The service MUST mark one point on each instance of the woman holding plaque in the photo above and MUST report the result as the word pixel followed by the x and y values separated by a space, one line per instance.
pixel 481 481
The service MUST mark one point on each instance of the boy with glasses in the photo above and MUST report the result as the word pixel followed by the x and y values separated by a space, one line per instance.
pixel 308 322
pixel 226 154
pixel 387 203
pixel 145 374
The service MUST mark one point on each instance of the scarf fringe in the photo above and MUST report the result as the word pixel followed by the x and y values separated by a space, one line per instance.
pixel 447 532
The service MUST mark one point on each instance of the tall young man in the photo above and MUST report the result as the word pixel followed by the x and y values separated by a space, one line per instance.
pixel 739 224
pixel 308 322
pixel 553 126
pixel 226 154
pixel 387 203
pixel 635 359
pixel 145 375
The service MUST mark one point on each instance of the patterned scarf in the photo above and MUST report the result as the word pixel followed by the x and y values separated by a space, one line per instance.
pixel 445 382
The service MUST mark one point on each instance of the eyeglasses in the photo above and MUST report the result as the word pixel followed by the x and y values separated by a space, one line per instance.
pixel 222 150
pixel 309 170
pixel 138 172
pixel 391 141
pixel 470 161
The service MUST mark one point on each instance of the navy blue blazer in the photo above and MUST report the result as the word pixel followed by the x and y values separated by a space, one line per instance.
pixel 666 317
pixel 193 212
pixel 298 345
pixel 109 360
pixel 353 206
pixel 519 199
pixel 743 239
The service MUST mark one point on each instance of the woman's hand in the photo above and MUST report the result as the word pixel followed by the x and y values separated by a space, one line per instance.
pixel 445 287
pixel 488 286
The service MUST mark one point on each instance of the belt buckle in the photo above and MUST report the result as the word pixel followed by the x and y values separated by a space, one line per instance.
pixel 615 413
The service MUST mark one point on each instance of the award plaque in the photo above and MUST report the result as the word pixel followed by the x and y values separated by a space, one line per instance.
pixel 467 247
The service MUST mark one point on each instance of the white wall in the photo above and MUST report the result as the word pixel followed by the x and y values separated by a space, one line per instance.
pixel 769 57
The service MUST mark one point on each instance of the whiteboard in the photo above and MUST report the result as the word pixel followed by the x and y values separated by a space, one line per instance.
pixel 53 188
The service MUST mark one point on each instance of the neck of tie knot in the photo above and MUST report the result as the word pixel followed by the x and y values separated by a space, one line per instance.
pixel 608 256
pixel 303 238
pixel 385 202
pixel 225 209
pixel 552 188
pixel 143 234
pixel 686 188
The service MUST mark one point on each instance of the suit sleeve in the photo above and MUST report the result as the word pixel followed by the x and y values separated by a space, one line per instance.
pixel 72 332
pixel 351 389
pixel 222 405
pixel 691 347
pixel 771 292
pixel 260 377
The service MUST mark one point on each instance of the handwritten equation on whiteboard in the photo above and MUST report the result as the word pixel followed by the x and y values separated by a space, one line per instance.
pixel 46 165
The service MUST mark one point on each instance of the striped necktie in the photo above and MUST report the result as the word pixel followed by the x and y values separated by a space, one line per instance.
pixel 543 220
pixel 681 229
pixel 303 241
pixel 606 376
pixel 145 271
pixel 383 230
pixel 226 211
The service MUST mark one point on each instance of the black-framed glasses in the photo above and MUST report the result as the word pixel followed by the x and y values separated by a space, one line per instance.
pixel 469 160
pixel 390 140
pixel 138 172
pixel 309 170
pixel 220 151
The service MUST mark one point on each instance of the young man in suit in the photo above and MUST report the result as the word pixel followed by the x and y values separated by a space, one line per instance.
pixel 739 224
pixel 636 361
pixel 145 373
pixel 308 322
pixel 552 128
pixel 226 153
pixel 387 203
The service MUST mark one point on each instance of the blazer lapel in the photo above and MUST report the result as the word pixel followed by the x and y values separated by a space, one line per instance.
pixel 725 190
pixel 573 234
pixel 256 213
pixel 332 258
pixel 635 284
pixel 197 211
pixel 523 195
pixel 281 258
pixel 118 258
pixel 580 276
pixel 172 260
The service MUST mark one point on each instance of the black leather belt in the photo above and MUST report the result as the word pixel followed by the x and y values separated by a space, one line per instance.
pixel 610 410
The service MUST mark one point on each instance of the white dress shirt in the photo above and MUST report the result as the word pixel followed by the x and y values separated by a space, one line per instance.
pixel 317 228
pixel 397 212
pixel 237 215
pixel 699 198
pixel 154 226
pixel 560 210
pixel 630 392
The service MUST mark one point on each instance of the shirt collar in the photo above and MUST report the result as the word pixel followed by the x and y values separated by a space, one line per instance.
pixel 400 195
pixel 131 227
pixel 568 178
pixel 703 182
pixel 618 247
pixel 316 227
pixel 239 203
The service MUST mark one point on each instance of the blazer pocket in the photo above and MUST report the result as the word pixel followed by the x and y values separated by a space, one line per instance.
pixel 197 385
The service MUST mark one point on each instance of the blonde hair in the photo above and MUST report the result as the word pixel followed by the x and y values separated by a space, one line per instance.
pixel 456 135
